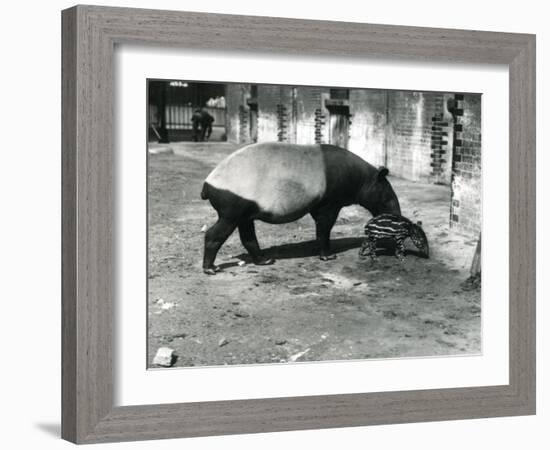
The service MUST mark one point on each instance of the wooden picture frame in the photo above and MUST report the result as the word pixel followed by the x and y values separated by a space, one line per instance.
pixel 90 34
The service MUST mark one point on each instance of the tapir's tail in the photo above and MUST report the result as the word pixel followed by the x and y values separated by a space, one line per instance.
pixel 204 192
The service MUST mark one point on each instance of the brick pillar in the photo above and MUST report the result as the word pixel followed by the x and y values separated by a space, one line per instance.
pixel 455 107
pixel 282 123
pixel 465 213
pixel 319 124
pixel 244 127
pixel 439 142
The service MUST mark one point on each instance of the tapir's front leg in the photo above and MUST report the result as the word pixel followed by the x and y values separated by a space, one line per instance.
pixel 400 249
pixel 324 221
pixel 368 248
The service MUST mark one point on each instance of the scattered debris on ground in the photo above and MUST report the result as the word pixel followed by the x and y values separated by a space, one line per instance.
pixel 298 355
pixel 165 357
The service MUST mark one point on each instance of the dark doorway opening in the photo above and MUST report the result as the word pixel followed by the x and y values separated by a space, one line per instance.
pixel 172 103
pixel 339 122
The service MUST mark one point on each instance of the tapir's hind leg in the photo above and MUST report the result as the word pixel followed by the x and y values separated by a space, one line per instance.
pixel 250 242
pixel 215 236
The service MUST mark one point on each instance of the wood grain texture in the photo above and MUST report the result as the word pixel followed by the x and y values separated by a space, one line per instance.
pixel 89 36
pixel 523 224
pixel 68 225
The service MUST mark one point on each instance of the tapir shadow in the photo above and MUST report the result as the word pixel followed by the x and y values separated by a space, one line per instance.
pixel 311 248
pixel 305 249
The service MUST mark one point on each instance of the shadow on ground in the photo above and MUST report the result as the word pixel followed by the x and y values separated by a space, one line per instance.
pixel 306 249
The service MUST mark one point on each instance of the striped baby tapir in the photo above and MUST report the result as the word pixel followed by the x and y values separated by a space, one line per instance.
pixel 394 228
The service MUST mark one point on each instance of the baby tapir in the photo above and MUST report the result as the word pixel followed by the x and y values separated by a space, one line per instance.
pixel 396 228
pixel 279 183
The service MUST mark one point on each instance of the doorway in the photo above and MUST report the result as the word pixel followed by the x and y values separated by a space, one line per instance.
pixel 339 125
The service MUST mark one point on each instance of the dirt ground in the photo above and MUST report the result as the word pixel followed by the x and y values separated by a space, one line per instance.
pixel 300 308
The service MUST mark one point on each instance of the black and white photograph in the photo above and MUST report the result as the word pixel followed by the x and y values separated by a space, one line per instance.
pixel 267 225
pixel 292 224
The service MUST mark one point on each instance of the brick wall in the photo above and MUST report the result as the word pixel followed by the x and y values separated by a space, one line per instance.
pixel 311 115
pixel 368 124
pixel 466 180
pixel 276 108
pixel 442 143
pixel 415 140
pixel 414 134
pixel 409 132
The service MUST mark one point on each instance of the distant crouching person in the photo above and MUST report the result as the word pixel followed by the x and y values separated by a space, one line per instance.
pixel 196 121
pixel 206 125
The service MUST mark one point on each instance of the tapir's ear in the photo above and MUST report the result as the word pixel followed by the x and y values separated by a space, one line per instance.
pixel 382 172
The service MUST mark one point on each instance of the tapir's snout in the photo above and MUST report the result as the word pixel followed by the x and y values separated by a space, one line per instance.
pixel 427 251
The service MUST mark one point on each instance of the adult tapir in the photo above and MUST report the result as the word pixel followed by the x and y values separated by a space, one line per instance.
pixel 279 183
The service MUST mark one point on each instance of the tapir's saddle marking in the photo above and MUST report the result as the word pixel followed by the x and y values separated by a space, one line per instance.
pixel 280 178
